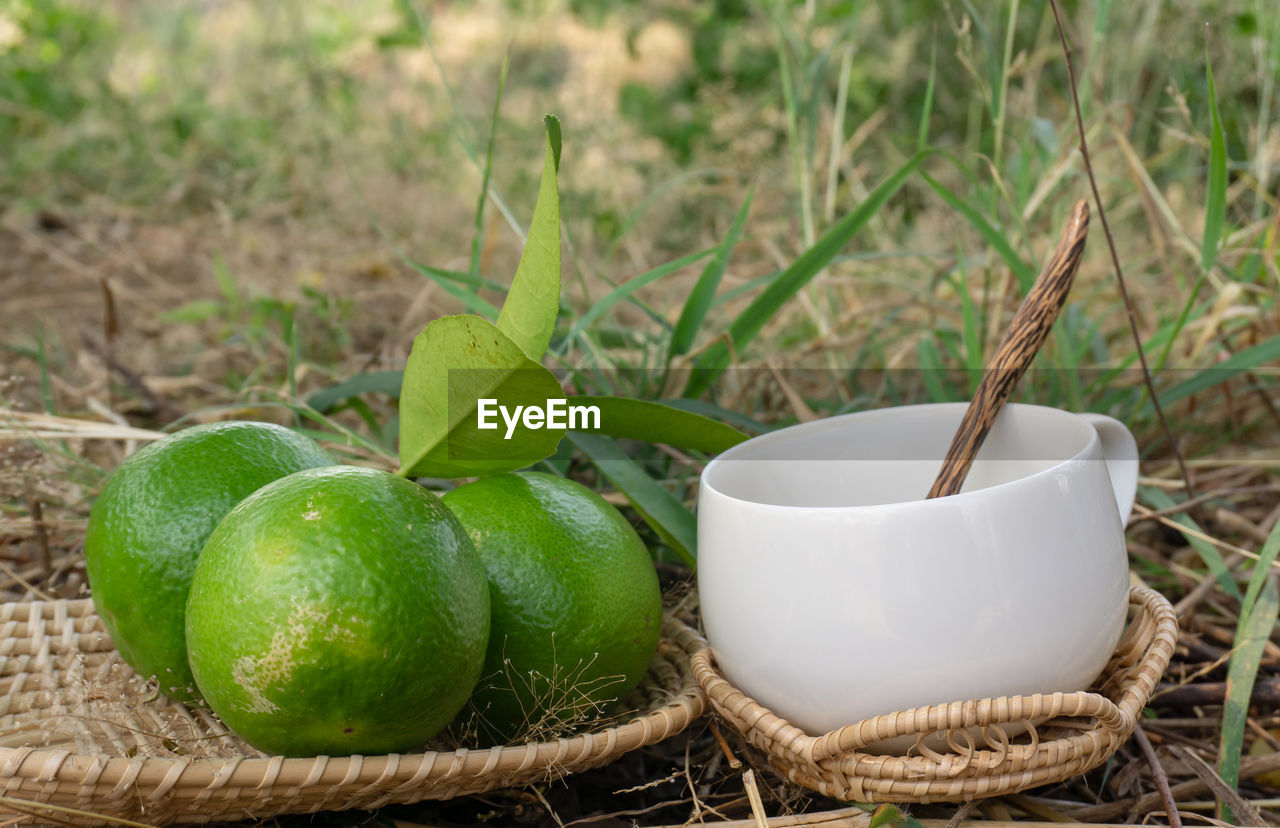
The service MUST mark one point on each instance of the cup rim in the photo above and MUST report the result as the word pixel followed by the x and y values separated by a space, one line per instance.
pixel 827 422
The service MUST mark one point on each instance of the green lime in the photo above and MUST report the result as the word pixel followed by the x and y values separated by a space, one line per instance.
pixel 338 611
pixel 151 520
pixel 576 603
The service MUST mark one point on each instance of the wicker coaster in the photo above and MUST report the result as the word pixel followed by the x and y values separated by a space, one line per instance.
pixel 79 730
pixel 968 749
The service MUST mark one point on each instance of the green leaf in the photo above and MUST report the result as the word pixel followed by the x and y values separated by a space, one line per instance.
pixel 375 382
pixel 456 362
pixel 654 422
pixel 719 412
pixel 528 315
pixel 808 265
pixel 704 291
pixel 660 509
pixel 1215 213
pixel 624 290
pixel 1246 656
pixel 1207 551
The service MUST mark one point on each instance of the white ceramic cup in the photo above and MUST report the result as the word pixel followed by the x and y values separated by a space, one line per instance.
pixel 832 591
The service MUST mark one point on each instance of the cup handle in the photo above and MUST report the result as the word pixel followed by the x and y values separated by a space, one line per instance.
pixel 1120 451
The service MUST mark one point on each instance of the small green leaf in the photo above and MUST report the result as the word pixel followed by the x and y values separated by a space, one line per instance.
pixel 1215 209
pixel 528 315
pixel 660 509
pixel 704 291
pixel 654 422
pixel 456 362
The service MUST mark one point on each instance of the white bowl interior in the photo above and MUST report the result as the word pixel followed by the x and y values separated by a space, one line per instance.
pixel 890 455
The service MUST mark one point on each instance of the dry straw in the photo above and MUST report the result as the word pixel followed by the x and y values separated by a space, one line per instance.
pixel 968 749
pixel 79 730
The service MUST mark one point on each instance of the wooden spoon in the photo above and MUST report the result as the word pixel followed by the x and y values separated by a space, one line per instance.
pixel 1027 332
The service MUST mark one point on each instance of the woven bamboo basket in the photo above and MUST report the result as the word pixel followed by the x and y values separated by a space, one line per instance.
pixel 966 749
pixel 79 730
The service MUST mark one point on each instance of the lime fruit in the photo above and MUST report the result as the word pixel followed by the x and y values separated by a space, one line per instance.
pixel 576 602
pixel 338 611
pixel 151 520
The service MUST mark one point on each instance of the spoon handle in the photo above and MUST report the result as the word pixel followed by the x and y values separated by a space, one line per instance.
pixel 1027 332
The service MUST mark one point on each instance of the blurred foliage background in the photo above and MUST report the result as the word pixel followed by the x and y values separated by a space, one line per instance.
pixel 210 204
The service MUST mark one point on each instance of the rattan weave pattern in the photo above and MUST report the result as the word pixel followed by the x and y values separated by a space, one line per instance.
pixel 963 750
pixel 79 729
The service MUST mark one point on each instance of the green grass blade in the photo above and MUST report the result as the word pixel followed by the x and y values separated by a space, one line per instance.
pixel 1246 656
pixel 624 290
pixel 1208 553
pixel 660 509
pixel 1261 570
pixel 797 275
pixel 1238 363
pixel 699 302
pixel 972 331
pixel 932 372
pixel 529 312
pixel 1216 198
pixel 1258 611
pixel 377 382
pixel 477 241
pixel 991 235
pixel 922 134
pixel 450 281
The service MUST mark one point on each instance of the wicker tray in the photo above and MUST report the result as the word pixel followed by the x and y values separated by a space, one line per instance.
pixel 966 750
pixel 79 730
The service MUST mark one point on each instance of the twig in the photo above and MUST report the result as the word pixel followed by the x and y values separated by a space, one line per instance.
pixel 753 796
pixel 1227 795
pixel 1115 256
pixel 1250 766
pixel 734 762
pixel 545 804
pixel 1187 604
pixel 1266 690
pixel 1158 776
pixel 1188 504
pixel 961 814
